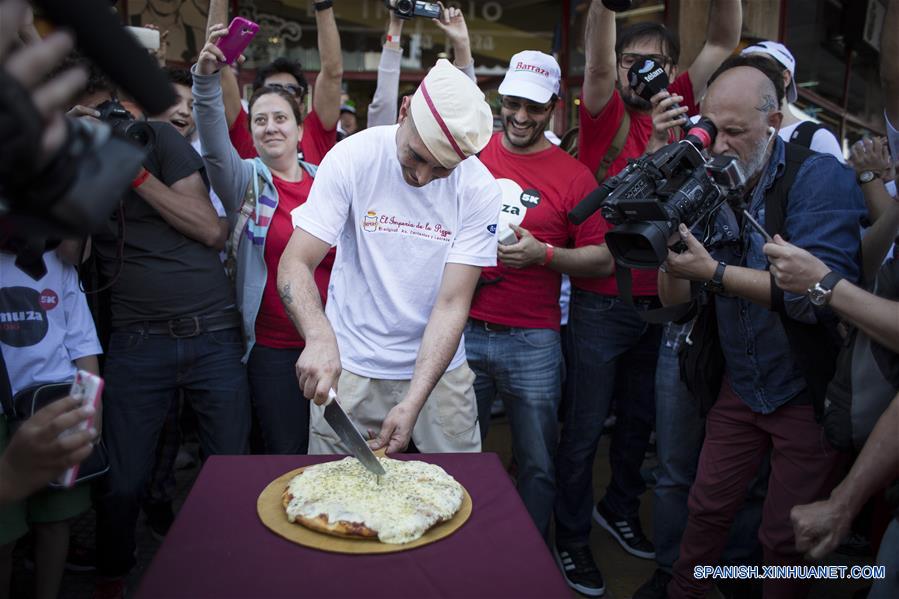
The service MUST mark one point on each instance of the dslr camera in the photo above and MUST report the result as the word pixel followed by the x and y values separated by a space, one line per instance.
pixel 406 9
pixel 653 195
pixel 124 124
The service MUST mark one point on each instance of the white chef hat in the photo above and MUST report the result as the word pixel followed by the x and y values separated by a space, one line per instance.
pixel 450 114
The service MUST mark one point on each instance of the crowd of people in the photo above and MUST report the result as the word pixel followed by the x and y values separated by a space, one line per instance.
pixel 420 267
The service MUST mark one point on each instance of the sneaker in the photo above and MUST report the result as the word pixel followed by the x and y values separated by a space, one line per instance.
pixel 626 531
pixel 159 519
pixel 579 570
pixel 109 588
pixel 81 558
pixel 656 587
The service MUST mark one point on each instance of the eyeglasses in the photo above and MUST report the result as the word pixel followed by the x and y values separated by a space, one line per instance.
pixel 628 59
pixel 297 90
pixel 532 109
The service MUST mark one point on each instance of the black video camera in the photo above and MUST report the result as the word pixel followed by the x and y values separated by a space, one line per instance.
pixel 406 9
pixel 654 194
pixel 125 125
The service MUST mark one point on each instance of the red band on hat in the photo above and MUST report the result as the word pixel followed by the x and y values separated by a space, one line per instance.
pixel 439 119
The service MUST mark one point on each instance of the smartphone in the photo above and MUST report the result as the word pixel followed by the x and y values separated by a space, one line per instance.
pixel 146 37
pixel 755 225
pixel 88 389
pixel 240 33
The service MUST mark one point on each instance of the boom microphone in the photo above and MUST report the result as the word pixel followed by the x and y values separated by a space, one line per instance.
pixel 102 38
pixel 591 202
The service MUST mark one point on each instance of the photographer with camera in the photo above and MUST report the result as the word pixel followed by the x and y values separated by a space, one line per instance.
pixel 611 350
pixel 175 325
pixel 777 349
pixel 320 124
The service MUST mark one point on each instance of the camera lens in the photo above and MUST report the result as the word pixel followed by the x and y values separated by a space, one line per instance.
pixel 404 6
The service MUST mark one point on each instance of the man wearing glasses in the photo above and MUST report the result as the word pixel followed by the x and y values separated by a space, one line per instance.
pixel 512 335
pixel 610 350
pixel 319 125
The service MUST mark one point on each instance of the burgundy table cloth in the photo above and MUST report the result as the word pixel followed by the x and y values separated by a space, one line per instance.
pixel 217 546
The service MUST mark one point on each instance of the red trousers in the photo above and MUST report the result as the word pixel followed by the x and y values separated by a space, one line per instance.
pixel 804 468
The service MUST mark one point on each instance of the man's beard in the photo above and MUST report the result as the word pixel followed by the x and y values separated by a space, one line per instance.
pixel 756 161
pixel 533 139
pixel 631 99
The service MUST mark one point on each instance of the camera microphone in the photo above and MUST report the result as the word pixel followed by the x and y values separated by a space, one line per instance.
pixel 592 201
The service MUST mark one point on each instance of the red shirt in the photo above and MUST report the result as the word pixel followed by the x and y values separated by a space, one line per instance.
pixel 273 327
pixel 549 184
pixel 594 138
pixel 314 144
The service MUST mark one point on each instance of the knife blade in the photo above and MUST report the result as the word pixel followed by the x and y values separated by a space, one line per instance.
pixel 341 424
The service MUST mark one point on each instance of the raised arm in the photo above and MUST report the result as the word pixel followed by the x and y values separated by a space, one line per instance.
pixel 889 62
pixel 438 345
pixel 228 174
pixel 326 97
pixel 452 22
pixel 722 37
pixel 383 106
pixel 218 15
pixel 601 67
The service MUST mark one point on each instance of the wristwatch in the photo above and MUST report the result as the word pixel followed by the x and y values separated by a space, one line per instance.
pixel 716 283
pixel 819 294
pixel 866 177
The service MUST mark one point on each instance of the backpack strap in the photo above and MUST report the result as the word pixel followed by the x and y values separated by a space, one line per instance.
pixel 568 143
pixel 776 206
pixel 804 132
pixel 624 128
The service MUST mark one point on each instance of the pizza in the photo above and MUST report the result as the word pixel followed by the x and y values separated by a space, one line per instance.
pixel 344 499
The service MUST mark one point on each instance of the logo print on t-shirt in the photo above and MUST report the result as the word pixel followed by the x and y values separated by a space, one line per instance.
pixel 370 221
pixel 49 299
pixel 530 198
pixel 22 318
pixel 492 229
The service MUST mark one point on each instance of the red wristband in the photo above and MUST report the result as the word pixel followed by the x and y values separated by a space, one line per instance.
pixel 548 257
pixel 394 38
pixel 140 178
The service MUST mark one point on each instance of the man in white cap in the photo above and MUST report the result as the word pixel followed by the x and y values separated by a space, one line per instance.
pixel 797 127
pixel 512 337
pixel 413 215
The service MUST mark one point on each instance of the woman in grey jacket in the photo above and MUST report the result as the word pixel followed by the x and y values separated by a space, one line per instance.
pixel 258 195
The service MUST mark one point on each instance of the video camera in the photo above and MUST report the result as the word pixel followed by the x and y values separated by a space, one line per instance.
pixel 654 194
pixel 406 9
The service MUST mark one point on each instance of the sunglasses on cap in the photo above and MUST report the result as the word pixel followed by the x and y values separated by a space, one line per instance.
pixel 297 90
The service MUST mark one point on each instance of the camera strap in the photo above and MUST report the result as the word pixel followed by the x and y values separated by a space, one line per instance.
pixel 677 312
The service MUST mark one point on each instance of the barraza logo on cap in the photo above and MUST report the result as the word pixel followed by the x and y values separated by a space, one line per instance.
pixel 523 66
pixel 647 66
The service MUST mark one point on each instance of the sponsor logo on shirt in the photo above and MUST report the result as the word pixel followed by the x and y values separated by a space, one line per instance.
pixel 492 229
pixel 23 321
pixel 49 299
pixel 391 223
pixel 530 198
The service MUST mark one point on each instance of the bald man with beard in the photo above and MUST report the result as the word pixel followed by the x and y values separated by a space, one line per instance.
pixel 769 397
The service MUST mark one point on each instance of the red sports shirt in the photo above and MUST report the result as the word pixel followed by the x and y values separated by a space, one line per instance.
pixel 548 184
pixel 595 135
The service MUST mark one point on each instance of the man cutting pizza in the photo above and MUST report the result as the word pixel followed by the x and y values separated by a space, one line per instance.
pixel 413 214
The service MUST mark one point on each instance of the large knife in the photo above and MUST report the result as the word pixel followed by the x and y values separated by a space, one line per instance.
pixel 341 424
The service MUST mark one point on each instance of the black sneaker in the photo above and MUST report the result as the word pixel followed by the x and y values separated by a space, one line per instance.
pixel 580 570
pixel 626 531
pixel 159 519
pixel 656 587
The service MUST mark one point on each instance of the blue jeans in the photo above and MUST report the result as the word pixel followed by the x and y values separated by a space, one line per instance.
pixel 143 376
pixel 680 430
pixel 281 409
pixel 610 351
pixel 523 367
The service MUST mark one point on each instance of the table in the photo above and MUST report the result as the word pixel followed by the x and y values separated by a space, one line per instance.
pixel 217 546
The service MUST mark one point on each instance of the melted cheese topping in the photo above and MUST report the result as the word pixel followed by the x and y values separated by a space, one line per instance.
pixel 411 497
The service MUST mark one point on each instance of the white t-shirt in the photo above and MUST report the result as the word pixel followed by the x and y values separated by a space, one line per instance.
pixel 45 325
pixel 393 241
pixel 823 141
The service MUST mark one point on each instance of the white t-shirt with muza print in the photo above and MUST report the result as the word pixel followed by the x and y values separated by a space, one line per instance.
pixel 393 241
pixel 45 325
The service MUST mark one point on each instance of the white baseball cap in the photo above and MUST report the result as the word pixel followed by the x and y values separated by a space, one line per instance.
pixel 784 58
pixel 451 116
pixel 532 75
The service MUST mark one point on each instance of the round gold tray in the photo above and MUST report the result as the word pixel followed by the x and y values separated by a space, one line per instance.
pixel 271 512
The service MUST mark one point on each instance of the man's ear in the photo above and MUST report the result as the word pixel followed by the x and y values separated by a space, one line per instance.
pixel 405 107
pixel 775 119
